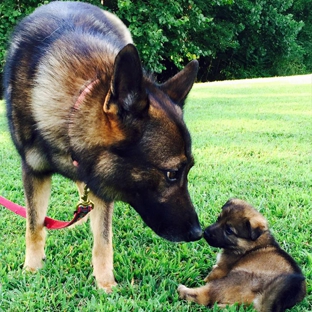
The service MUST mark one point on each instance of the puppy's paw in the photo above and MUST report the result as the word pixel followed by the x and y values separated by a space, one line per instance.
pixel 186 293
pixel 181 290
pixel 216 273
pixel 212 275
pixel 199 295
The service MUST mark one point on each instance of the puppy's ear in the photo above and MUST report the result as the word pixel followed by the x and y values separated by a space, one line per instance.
pixel 256 227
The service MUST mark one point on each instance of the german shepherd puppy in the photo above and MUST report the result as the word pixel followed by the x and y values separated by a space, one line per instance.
pixel 79 104
pixel 252 268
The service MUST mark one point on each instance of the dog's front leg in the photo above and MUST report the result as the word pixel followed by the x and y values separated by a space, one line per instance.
pixel 216 273
pixel 102 254
pixel 37 192
pixel 221 269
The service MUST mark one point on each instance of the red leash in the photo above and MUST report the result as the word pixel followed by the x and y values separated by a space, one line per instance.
pixel 83 208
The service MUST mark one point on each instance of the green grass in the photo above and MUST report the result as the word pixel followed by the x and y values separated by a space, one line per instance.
pixel 251 140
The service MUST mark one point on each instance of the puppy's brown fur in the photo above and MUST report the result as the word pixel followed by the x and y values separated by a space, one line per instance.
pixel 252 268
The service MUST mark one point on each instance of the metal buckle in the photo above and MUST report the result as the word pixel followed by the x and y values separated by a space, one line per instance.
pixel 84 206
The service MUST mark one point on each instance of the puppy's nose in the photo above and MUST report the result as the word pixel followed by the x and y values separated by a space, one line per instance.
pixel 207 234
pixel 195 234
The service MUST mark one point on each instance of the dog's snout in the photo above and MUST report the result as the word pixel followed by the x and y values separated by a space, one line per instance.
pixel 208 234
pixel 195 234
pixel 213 236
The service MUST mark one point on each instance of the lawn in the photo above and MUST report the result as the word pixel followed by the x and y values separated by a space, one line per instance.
pixel 251 139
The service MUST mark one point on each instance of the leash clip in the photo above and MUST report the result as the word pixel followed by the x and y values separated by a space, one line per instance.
pixel 84 206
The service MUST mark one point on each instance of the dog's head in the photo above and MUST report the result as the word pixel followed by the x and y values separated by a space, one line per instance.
pixel 238 227
pixel 150 157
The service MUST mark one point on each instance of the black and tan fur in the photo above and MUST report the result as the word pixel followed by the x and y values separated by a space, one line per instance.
pixel 252 268
pixel 79 104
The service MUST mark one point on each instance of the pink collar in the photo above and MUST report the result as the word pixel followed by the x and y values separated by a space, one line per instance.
pixel 79 101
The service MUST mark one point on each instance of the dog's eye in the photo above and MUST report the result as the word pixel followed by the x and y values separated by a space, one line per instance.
pixel 228 230
pixel 172 175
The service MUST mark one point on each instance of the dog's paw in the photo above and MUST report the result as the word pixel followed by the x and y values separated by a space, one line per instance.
pixel 186 293
pixel 199 295
pixel 182 290
pixel 210 277
pixel 33 264
pixel 107 287
pixel 104 277
pixel 29 269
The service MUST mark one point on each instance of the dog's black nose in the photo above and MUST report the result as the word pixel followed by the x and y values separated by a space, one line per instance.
pixel 195 234
pixel 207 234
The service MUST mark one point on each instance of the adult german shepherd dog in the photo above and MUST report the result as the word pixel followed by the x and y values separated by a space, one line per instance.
pixel 79 104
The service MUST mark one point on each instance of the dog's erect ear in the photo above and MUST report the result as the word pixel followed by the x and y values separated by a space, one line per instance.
pixel 127 89
pixel 178 87
pixel 256 228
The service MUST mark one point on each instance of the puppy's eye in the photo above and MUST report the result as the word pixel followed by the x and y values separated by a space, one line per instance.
pixel 172 175
pixel 228 230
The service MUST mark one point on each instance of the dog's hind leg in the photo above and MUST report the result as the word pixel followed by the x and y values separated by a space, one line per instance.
pixel 199 295
pixel 102 254
pixel 37 192
pixel 238 287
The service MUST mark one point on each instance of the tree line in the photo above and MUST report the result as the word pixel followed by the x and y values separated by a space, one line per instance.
pixel 232 39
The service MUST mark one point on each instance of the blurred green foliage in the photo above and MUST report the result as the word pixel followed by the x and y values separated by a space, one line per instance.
pixel 230 38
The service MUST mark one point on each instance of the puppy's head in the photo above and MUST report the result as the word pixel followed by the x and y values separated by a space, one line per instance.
pixel 238 228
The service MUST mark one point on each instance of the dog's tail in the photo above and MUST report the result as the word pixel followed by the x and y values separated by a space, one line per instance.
pixel 281 294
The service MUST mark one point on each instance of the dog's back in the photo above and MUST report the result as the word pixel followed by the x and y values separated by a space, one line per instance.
pixel 54 51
